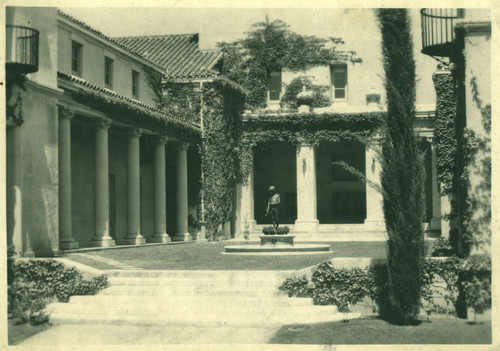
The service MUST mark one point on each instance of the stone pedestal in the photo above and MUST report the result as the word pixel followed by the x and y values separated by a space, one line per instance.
pixel 66 241
pixel 182 195
pixel 101 188
pixel 276 240
pixel 306 189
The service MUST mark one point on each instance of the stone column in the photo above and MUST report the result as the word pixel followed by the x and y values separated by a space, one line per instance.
pixel 66 241
pixel 436 198
pixel 182 195
pixel 306 188
pixel 246 203
pixel 160 234
pixel 374 210
pixel 14 193
pixel 134 236
pixel 101 187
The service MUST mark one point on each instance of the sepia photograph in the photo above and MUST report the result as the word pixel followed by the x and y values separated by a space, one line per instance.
pixel 247 175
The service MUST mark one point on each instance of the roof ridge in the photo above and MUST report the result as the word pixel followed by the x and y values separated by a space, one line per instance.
pixel 155 36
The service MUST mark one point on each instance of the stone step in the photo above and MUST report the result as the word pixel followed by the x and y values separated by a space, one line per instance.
pixel 201 275
pixel 243 283
pixel 197 317
pixel 151 291
pixel 187 301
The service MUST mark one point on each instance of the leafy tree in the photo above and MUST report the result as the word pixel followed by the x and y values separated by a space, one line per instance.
pixel 403 174
pixel 271 46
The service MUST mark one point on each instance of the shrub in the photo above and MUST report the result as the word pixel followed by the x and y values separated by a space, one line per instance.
pixel 36 283
pixel 269 230
pixel 476 282
pixel 341 287
pixel 296 286
pixel 442 247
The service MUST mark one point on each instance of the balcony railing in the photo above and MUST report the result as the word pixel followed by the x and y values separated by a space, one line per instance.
pixel 438 27
pixel 21 54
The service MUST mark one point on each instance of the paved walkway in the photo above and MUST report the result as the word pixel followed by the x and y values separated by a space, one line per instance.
pixel 96 334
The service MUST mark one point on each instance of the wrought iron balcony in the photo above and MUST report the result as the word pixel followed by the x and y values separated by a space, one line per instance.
pixel 21 54
pixel 438 30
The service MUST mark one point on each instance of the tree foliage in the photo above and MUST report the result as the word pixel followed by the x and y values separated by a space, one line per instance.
pixel 272 46
pixel 403 174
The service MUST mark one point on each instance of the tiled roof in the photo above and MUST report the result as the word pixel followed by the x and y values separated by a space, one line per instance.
pixel 83 83
pixel 179 54
pixel 105 37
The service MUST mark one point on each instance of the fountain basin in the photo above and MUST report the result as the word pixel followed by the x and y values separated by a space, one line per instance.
pixel 277 244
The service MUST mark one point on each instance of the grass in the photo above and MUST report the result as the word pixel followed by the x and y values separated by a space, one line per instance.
pixel 18 333
pixel 207 256
pixel 376 331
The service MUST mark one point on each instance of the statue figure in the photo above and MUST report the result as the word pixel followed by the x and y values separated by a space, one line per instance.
pixel 272 207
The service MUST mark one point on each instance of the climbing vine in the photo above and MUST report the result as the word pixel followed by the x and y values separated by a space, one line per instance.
pixel 444 132
pixel 222 107
pixel 293 127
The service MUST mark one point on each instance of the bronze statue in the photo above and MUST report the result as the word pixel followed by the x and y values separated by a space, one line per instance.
pixel 272 207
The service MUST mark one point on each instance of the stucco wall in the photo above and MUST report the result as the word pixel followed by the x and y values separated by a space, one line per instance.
pixel 39 173
pixel 477 53
pixel 93 52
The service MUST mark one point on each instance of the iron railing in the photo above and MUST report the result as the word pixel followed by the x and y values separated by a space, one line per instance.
pixel 438 27
pixel 21 54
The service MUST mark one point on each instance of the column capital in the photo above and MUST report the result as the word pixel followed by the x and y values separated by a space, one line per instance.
pixel 184 146
pixel 103 123
pixel 137 132
pixel 161 139
pixel 66 112
pixel 304 142
pixel 429 138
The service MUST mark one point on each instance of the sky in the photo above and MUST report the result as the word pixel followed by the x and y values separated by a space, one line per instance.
pixel 358 28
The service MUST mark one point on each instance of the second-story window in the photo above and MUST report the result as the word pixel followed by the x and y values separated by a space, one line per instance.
pixel 275 86
pixel 76 59
pixel 135 84
pixel 339 82
pixel 108 72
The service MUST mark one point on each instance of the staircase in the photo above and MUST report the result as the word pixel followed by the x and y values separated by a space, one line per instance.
pixel 193 298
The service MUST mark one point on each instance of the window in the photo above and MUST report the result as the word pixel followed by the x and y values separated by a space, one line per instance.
pixel 76 59
pixel 339 82
pixel 275 86
pixel 108 72
pixel 135 84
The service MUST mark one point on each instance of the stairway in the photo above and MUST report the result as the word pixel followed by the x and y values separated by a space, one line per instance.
pixel 193 298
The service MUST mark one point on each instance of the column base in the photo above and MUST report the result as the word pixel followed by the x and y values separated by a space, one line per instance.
pixel 102 243
pixel 139 240
pixel 68 245
pixel 182 237
pixel 306 226
pixel 435 224
pixel 163 239
pixel 372 224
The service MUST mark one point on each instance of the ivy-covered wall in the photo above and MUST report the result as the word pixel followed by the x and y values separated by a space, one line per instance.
pixel 223 103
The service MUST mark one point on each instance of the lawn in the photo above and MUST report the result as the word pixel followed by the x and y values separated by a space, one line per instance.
pixel 18 333
pixel 207 256
pixel 376 331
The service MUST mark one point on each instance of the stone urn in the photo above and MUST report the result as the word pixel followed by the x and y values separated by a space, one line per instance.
pixel 304 100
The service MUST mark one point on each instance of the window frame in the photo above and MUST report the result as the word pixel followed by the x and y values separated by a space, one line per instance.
pixel 332 82
pixel 109 74
pixel 280 73
pixel 76 58
pixel 135 86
